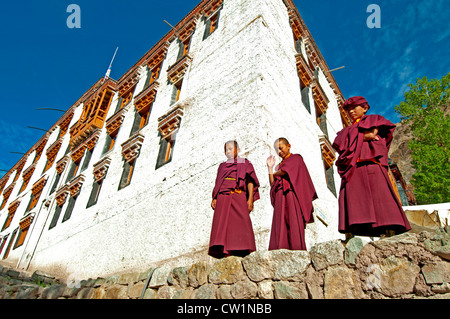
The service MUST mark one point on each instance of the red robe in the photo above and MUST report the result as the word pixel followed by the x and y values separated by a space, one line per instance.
pixel 291 196
pixel 232 231
pixel 368 205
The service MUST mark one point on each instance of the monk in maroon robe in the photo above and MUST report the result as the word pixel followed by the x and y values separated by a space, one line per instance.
pixel 368 205
pixel 292 193
pixel 235 190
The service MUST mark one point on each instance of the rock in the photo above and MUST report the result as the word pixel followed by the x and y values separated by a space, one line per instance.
pixel 198 274
pixel 183 294
pixel 441 289
pixel 352 249
pixel 224 292
pixel 341 282
pixel 207 291
pixel 265 289
pixel 116 292
pixel 287 290
pixel 279 264
pixel 258 265
pixel 398 276
pixel 421 288
pixel 405 238
pixel 314 283
pixel 53 292
pixel 244 290
pixel 159 277
pixel 327 254
pixel 437 273
pixel 180 276
pixel 166 292
pixel 443 252
pixel 227 271
pixel 135 290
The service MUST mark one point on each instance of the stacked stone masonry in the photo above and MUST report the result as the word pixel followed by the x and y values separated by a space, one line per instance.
pixel 407 266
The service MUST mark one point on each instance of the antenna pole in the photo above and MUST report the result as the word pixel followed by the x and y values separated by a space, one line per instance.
pixel 108 72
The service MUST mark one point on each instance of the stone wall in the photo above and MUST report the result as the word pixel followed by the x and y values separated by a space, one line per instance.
pixel 411 265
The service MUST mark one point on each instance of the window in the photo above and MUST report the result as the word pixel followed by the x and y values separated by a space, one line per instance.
pixel 176 92
pixel 55 216
pixel 168 128
pixel 3 242
pixel 36 191
pixel 96 187
pixel 13 236
pixel 27 176
pixel 11 212
pixel 165 150
pixel 328 157
pixel 8 221
pixel 55 183
pixel 211 24
pixel 127 174
pixel 24 225
pixel 73 170
pixel 110 141
pixel 87 159
pixel 69 208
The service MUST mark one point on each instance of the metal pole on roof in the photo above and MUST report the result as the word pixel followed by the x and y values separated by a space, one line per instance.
pixel 50 109
pixel 108 72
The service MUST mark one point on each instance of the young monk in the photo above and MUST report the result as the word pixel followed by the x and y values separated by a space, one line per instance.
pixel 368 205
pixel 291 194
pixel 235 190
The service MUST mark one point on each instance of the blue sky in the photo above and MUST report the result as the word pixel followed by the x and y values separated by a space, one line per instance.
pixel 44 64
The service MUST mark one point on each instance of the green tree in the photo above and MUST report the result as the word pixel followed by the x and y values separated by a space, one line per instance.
pixel 426 108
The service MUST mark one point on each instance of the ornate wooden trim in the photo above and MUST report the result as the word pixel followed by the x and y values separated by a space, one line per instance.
pixel 211 7
pixel 177 71
pixel 346 121
pixel 129 82
pixel 61 195
pixel 169 123
pixel 304 72
pixel 26 221
pixel 158 56
pixel 100 168
pixel 91 141
pixel 65 122
pixel 29 172
pixel 115 122
pixel 61 164
pixel 143 101
pixel 75 185
pixel 187 29
pixel 13 206
pixel 319 97
pixel 78 153
pixel 8 191
pixel 132 147
pixel 39 185
pixel 95 109
pixel 53 149
pixel 297 25
pixel 313 55
pixel 328 153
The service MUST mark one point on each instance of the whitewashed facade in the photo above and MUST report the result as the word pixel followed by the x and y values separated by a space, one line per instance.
pixel 251 72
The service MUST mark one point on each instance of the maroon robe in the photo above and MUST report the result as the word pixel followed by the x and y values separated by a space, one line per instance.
pixel 232 231
pixel 368 205
pixel 291 196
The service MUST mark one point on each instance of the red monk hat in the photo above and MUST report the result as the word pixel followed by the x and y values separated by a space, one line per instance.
pixel 355 101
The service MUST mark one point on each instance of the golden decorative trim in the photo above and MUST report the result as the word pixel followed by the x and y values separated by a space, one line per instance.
pixel 132 147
